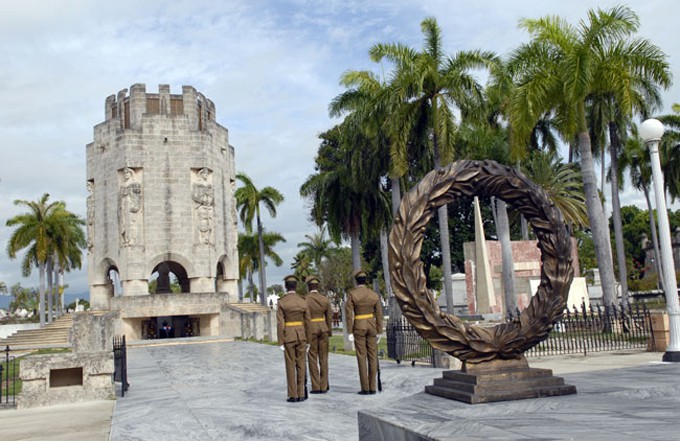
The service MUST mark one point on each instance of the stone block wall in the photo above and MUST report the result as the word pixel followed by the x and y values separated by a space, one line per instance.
pixel 53 379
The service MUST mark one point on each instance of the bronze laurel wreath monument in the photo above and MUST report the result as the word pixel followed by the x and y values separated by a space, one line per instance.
pixel 481 348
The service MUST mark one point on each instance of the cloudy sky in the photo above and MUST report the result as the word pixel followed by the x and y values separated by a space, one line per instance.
pixel 270 67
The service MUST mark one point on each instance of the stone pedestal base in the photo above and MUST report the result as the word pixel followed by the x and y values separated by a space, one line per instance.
pixel 500 380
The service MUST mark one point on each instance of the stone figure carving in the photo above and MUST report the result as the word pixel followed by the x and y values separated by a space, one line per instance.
pixel 203 195
pixel 474 344
pixel 130 204
pixel 90 215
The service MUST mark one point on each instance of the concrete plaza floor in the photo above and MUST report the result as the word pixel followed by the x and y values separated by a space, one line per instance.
pixel 226 390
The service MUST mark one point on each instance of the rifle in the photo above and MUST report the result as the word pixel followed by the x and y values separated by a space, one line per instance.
pixel 306 394
pixel 378 360
pixel 306 363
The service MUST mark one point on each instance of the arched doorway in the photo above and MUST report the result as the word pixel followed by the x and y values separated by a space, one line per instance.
pixel 168 277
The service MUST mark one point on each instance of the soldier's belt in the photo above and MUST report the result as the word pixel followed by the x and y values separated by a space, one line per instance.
pixel 363 316
pixel 320 319
pixel 294 323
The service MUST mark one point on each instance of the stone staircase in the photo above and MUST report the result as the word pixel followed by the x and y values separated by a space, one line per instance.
pixel 53 335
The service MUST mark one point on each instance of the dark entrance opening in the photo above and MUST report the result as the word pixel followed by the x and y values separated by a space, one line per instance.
pixel 176 326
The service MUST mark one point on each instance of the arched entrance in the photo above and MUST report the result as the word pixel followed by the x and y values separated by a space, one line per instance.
pixel 169 276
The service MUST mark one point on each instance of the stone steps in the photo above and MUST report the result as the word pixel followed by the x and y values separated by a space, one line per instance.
pixel 53 335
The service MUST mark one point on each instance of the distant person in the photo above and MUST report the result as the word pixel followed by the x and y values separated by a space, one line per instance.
pixel 164 330
pixel 188 330
pixel 292 328
pixel 320 329
pixel 364 321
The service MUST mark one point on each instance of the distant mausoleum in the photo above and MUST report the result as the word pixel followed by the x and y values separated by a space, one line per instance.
pixel 161 179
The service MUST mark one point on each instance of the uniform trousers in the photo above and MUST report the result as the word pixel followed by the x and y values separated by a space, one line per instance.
pixel 295 368
pixel 318 360
pixel 367 357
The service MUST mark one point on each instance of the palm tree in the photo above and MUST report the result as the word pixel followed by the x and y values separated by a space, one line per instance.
pixel 563 183
pixel 429 87
pixel 558 71
pixel 370 105
pixel 249 255
pixel 302 266
pixel 338 199
pixel 316 248
pixel 248 199
pixel 37 231
pixel 68 252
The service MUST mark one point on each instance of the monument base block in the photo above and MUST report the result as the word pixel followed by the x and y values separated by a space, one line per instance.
pixel 498 380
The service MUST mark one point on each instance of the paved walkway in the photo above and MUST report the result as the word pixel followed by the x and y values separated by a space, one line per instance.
pixel 236 391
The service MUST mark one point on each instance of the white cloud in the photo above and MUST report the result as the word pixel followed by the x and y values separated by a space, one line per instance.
pixel 270 67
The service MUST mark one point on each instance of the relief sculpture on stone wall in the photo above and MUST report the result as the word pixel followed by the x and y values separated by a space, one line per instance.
pixel 203 195
pixel 129 206
pixel 90 215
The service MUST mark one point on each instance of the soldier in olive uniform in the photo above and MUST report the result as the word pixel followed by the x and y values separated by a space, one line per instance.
pixel 321 329
pixel 293 321
pixel 364 320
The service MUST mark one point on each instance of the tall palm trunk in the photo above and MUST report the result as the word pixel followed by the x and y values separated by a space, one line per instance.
pixel 392 304
pixel 443 217
pixel 261 272
pixel 393 307
pixel 251 286
pixel 524 225
pixel 655 240
pixel 356 249
pixel 503 231
pixel 598 225
pixel 616 211
pixel 60 289
pixel 41 305
pixel 50 288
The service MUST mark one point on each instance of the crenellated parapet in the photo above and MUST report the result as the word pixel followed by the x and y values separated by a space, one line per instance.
pixel 129 107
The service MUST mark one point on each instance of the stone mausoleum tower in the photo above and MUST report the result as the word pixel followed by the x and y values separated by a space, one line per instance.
pixel 161 180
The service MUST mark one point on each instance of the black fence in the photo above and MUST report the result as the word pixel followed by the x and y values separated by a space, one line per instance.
pixel 405 344
pixel 598 329
pixel 9 371
pixel 120 363
pixel 581 330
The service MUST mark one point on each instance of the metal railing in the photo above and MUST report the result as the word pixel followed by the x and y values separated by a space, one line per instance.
pixel 405 344
pixel 120 363
pixel 8 380
pixel 591 328
pixel 581 330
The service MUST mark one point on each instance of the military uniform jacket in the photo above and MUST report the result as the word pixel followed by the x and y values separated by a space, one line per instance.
pixel 319 308
pixel 291 309
pixel 360 302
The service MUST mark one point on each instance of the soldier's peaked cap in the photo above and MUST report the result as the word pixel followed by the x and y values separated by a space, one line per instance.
pixel 359 273
pixel 312 279
pixel 290 278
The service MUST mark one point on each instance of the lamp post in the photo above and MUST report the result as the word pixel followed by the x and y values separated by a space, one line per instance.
pixel 651 131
